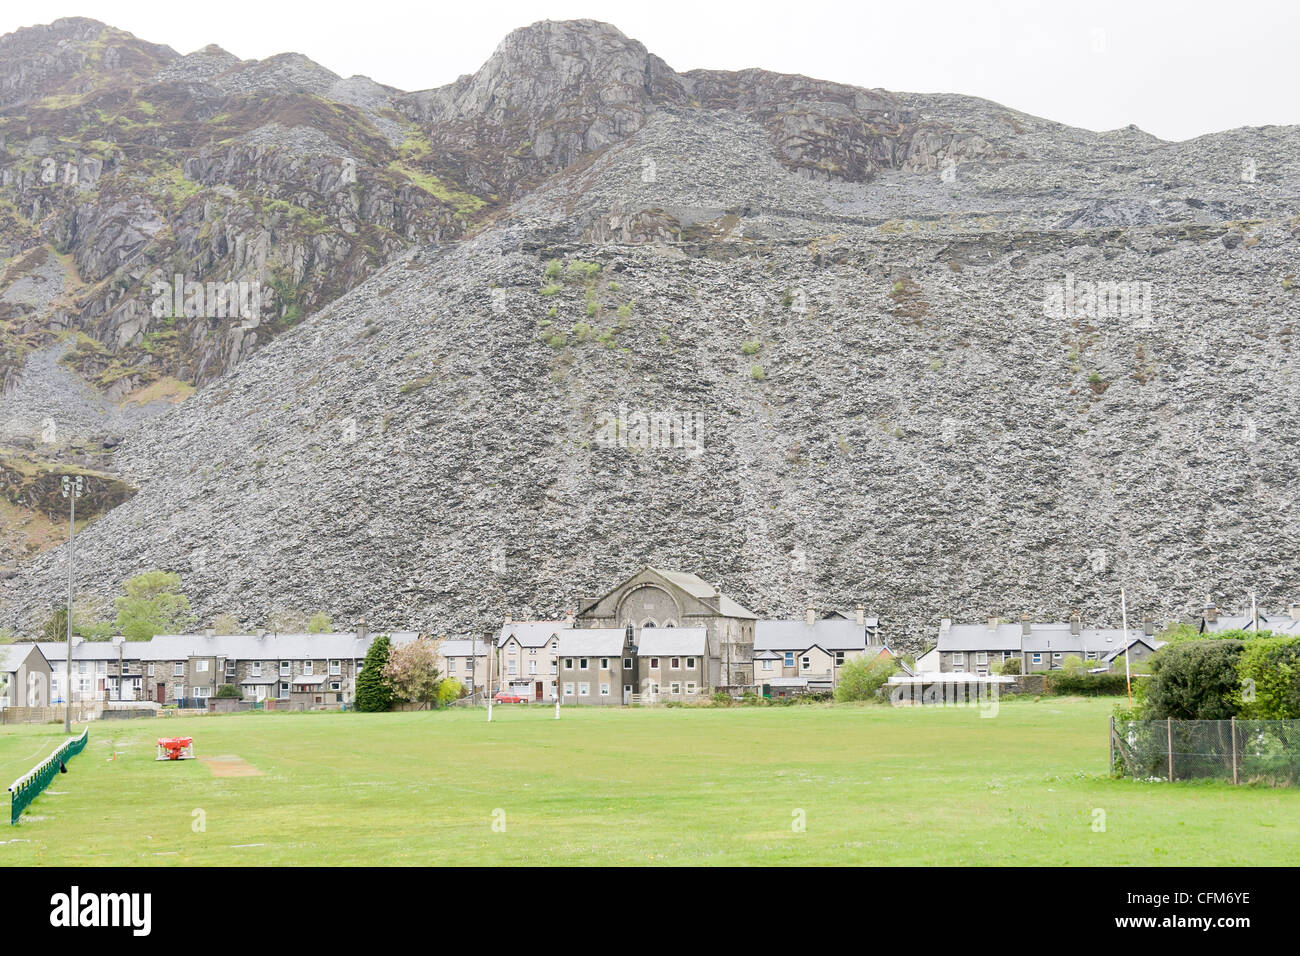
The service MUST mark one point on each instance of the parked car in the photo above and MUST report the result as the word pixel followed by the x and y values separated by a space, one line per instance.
pixel 505 697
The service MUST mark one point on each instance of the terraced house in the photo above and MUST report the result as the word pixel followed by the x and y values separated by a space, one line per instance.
pixel 596 666
pixel 805 655
pixel 1039 647
pixel 527 663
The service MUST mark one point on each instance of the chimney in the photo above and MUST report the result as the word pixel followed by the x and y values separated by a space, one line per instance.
pixel 862 616
pixel 1148 625
pixel 811 616
pixel 1294 611
pixel 362 630
pixel 993 624
pixel 945 625
pixel 210 632
pixel 569 617
pixel 1025 626
pixel 1076 623
pixel 509 619
pixel 1211 609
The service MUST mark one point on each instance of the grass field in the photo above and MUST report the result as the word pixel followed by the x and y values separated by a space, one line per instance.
pixel 637 786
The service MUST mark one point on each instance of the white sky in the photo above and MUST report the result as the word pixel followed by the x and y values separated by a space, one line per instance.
pixel 1176 69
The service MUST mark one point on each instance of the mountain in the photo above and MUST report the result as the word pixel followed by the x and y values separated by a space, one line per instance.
pixel 923 352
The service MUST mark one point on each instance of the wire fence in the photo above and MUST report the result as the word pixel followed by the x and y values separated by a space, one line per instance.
pixel 1242 751
pixel 29 786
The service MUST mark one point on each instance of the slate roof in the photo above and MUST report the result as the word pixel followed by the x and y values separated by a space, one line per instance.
pixel 672 641
pixel 462 648
pixel 830 633
pixel 697 587
pixel 592 642
pixel 980 637
pixel 532 633
pixel 13 656
pixel 92 650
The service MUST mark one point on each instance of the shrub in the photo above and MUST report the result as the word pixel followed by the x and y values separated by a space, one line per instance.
pixel 1079 682
pixel 750 348
pixel 229 692
pixel 1194 681
pixel 756 372
pixel 722 698
pixel 1272 665
pixel 549 289
pixel 862 678
pixel 449 690
pixel 1010 666
pixel 554 269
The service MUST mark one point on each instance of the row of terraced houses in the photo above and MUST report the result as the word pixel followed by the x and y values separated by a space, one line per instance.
pixel 658 636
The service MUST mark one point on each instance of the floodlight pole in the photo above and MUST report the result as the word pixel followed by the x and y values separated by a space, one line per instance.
pixel 1128 677
pixel 71 491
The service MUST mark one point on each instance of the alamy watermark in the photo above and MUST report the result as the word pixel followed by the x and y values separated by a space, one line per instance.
pixel 1086 299
pixel 651 430
pixel 176 298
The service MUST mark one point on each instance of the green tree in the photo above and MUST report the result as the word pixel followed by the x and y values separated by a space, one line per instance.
pixel 374 693
pixel 153 605
pixel 862 678
pixel 319 623
pixel 1010 667
pixel 84 624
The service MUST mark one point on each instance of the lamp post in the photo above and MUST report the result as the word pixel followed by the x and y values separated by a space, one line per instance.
pixel 72 488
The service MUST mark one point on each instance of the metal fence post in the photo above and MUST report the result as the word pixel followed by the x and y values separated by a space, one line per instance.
pixel 1232 724
pixel 1169 732
pixel 1111 769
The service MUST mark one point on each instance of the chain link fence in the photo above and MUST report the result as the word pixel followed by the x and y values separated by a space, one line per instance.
pixel 1242 751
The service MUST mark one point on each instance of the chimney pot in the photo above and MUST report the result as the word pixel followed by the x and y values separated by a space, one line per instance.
pixel 1148 625
pixel 862 615
pixel 1025 626
pixel 811 616
pixel 1076 623
pixel 993 624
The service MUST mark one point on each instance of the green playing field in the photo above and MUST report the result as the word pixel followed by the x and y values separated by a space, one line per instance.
pixel 836 784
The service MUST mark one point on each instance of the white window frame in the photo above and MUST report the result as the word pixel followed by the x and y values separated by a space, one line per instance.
pixel 627 663
pixel 584 690
pixel 568 690
pixel 690 663
pixel 675 663
pixel 675 687
pixel 958 658
pixel 604 690
pixel 604 663
pixel 690 687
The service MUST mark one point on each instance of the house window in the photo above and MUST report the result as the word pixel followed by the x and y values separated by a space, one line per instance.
pixel 981 657
pixel 451 664
pixel 582 663
pixel 839 658
pixel 230 668
pixel 604 663
pixel 568 663
pixel 514 667
pixel 675 687
pixel 180 690
pixel 584 690
pixel 554 665
pixel 789 658
pixel 203 692
pixel 690 687
pixel 568 690
pixel 1056 657
pixel 654 662
pixel 767 665
pixel 807 663
pixel 627 663
pixel 200 667
pixel 690 663
pixel 257 669
pixel 178 670
pixel 532 667
pixel 284 690
pixel 604 690
pixel 959 659
pixel 676 663
pixel 336 668
pixel 307 667
pixel 1038 658
pixel 151 670
pixel 284 668
pixel 336 685
pixel 101 667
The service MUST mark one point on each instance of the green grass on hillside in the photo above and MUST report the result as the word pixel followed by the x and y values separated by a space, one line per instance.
pixel 653 786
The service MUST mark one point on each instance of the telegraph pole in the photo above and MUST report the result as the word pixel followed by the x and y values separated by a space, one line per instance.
pixel 72 488
pixel 1128 677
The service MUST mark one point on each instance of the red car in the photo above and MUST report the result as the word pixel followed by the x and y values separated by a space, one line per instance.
pixel 506 698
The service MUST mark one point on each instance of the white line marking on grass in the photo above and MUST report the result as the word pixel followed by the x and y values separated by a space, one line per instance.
pixel 241 846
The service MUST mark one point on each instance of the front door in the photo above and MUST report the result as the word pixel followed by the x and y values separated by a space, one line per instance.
pixel 161 691
pixel 537 690
pixel 627 694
